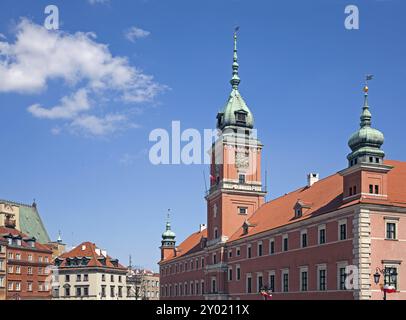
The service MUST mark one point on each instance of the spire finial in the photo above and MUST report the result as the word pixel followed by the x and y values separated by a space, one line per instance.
pixel 366 114
pixel 168 220
pixel 235 80
pixel 59 236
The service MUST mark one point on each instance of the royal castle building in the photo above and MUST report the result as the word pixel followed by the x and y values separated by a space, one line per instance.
pixel 341 237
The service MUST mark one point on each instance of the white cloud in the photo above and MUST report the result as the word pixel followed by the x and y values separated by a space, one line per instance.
pixel 135 33
pixel 68 108
pixel 99 126
pixel 2 36
pixel 87 68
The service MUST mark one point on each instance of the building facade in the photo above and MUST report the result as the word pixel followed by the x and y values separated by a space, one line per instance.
pixel 88 273
pixel 27 266
pixel 3 268
pixel 143 284
pixel 325 240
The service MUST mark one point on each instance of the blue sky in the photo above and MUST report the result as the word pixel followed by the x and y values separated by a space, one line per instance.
pixel 302 74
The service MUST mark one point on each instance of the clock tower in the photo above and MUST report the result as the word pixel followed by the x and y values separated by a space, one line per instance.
pixel 235 185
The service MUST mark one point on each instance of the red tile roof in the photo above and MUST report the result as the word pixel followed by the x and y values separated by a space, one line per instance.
pixel 4 231
pixel 89 250
pixel 322 197
pixel 190 245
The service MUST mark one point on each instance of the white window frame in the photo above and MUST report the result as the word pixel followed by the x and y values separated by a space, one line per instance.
pixel 321 267
pixel 259 274
pixel 272 273
pixel 285 236
pixel 303 269
pixel 249 246
pixel 396 222
pixel 236 272
pixel 340 264
pixel 248 276
pixel 319 228
pixel 302 232
pixel 260 243
pixel 340 223
pixel 283 272
pixel 269 249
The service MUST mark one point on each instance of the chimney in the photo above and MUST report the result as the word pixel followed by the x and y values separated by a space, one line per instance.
pixel 202 227
pixel 312 178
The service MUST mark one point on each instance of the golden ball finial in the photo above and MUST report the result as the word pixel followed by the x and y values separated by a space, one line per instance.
pixel 366 89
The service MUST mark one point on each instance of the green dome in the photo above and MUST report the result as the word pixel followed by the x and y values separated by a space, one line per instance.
pixel 366 136
pixel 168 234
pixel 235 112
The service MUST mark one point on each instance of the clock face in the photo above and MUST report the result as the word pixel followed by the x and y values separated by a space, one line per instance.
pixel 241 160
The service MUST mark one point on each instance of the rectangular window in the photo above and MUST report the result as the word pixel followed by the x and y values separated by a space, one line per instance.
pixel 86 291
pixel 18 270
pixel 214 258
pixel 342 276
pixel 376 189
pixel 241 178
pixel 389 278
pixel 272 282
pixel 260 282
pixel 285 243
pixel 304 239
pixel 230 274
pixel 271 246
pixel 230 253
pixel 322 279
pixel 249 284
pixel 112 291
pixel 18 286
pixel 260 249
pixel 303 280
pixel 391 230
pixel 322 236
pixel 29 286
pixel 67 292
pixel 285 284
pixel 242 210
pixel 249 252
pixel 238 271
pixel 103 291
pixel 78 277
pixel 213 286
pixel 202 262
pixel 78 292
pixel 343 231
pixel 238 252
pixel 371 188
pixel 85 277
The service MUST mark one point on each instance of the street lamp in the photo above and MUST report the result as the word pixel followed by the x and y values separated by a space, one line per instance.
pixel 386 272
pixel 265 292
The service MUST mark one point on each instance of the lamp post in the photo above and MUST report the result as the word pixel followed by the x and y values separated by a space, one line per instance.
pixel 265 292
pixel 386 272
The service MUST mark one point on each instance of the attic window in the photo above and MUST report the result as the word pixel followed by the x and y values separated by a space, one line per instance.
pixel 298 212
pixel 241 117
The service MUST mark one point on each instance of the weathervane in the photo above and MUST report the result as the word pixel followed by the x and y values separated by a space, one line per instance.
pixel 368 77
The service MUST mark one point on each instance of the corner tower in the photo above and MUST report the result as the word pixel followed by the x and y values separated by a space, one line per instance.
pixel 235 182
pixel 168 247
pixel 366 175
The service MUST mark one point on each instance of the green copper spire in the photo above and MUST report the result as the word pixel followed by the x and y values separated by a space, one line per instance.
pixel 236 112
pixel 366 142
pixel 168 237
pixel 235 80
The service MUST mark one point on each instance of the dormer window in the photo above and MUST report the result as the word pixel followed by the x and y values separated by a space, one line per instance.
pixel 298 213
pixel 300 208
pixel 241 117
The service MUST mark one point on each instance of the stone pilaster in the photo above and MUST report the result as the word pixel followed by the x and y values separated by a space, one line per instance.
pixel 362 252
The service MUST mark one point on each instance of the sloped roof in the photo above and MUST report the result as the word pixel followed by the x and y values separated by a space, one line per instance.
pixel 190 245
pixel 14 232
pixel 30 221
pixel 323 196
pixel 88 250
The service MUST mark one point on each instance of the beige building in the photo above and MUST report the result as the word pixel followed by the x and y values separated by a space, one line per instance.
pixel 143 284
pixel 88 273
